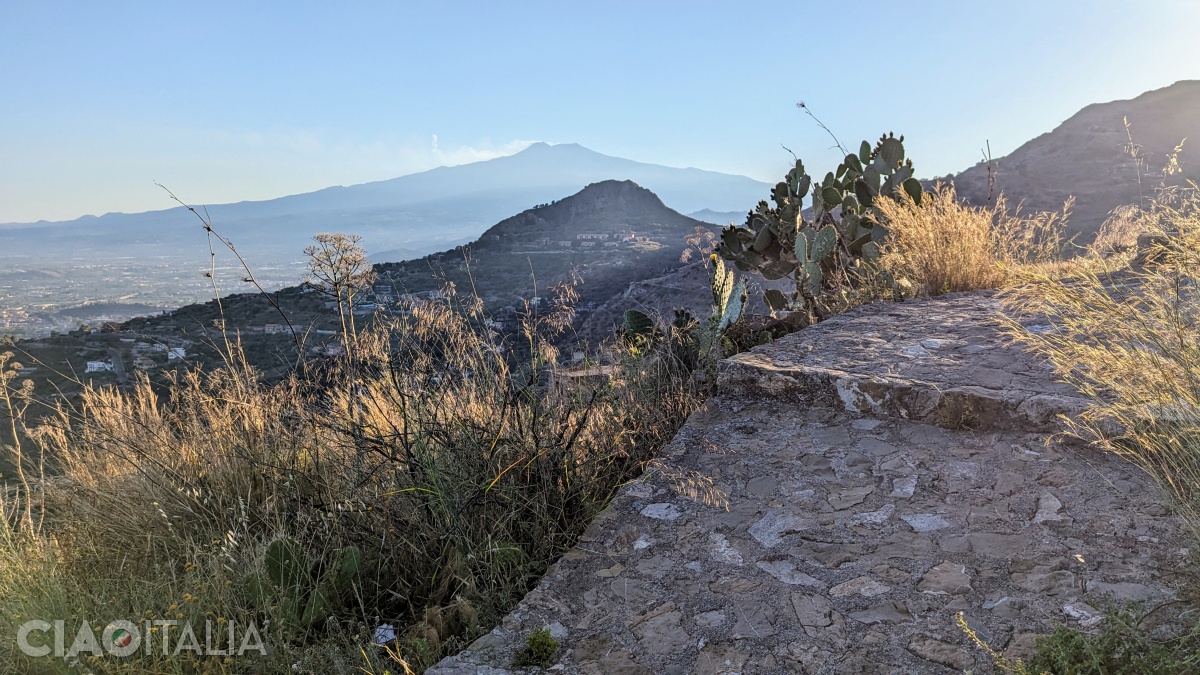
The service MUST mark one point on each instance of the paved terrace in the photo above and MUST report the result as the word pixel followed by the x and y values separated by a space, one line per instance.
pixel 885 470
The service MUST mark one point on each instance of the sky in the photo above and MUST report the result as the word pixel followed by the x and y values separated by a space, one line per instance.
pixel 228 101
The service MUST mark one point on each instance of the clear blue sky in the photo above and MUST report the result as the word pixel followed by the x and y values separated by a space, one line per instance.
pixel 224 101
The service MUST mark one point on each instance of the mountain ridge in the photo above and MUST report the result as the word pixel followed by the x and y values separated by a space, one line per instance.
pixel 608 235
pixel 362 193
pixel 1087 156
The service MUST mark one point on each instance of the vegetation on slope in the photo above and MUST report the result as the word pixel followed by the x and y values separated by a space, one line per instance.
pixel 423 483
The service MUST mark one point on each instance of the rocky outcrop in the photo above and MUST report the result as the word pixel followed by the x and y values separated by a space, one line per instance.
pixel 941 361
pixel 884 471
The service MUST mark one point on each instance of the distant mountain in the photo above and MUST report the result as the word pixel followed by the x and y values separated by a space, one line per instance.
pixel 394 255
pixel 419 212
pixel 161 258
pixel 1086 156
pixel 609 235
pixel 721 218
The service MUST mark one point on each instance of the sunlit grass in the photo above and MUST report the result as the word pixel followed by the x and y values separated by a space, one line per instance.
pixel 1126 336
pixel 943 245
pixel 452 467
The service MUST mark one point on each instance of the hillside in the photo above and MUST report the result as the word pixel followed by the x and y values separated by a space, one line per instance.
pixel 609 235
pixel 1086 156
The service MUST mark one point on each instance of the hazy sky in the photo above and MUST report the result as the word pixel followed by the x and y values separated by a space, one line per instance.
pixel 224 101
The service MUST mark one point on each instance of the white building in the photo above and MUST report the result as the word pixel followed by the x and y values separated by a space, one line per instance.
pixel 176 353
pixel 99 366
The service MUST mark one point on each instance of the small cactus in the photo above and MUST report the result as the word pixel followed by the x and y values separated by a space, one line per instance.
pixel 286 563
pixel 346 572
pixel 637 324
pixel 729 298
pixel 288 582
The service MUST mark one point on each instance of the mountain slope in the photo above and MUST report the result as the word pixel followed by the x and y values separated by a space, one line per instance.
pixel 721 218
pixel 609 235
pixel 1086 156
pixel 421 211
pixel 161 258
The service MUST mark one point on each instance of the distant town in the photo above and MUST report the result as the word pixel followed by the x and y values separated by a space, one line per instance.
pixel 39 298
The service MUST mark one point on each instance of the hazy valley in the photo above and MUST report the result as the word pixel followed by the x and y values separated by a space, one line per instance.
pixel 159 258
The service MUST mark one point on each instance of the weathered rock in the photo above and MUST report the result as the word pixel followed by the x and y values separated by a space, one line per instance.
pixel 904 487
pixel 600 656
pixel 1061 582
pixel 946 579
pixel 775 525
pixel 662 511
pixel 864 586
pixel 845 498
pixel 812 611
pixel 888 612
pixel 946 654
pixel 720 660
pixel 1085 614
pixel 1125 591
pixel 786 571
pixel 925 522
pixel 722 551
pixel 1048 506
pixel 661 630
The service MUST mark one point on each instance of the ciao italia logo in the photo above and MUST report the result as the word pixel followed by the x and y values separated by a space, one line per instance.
pixel 123 638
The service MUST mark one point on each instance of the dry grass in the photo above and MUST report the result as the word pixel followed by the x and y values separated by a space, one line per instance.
pixel 1127 338
pixel 444 460
pixel 943 245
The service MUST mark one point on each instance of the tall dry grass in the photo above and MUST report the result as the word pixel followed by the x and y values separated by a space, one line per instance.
pixel 943 245
pixel 1126 336
pixel 448 462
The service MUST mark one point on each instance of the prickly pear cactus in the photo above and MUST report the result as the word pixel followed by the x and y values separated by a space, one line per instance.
pixel 838 242
pixel 637 324
pixel 729 296
pixel 289 583
pixel 287 566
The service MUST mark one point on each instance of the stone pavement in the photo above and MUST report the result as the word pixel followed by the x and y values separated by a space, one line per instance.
pixel 884 470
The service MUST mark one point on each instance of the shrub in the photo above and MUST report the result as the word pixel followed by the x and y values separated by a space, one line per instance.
pixel 1128 641
pixel 1121 646
pixel 942 245
pixel 437 459
pixel 540 648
